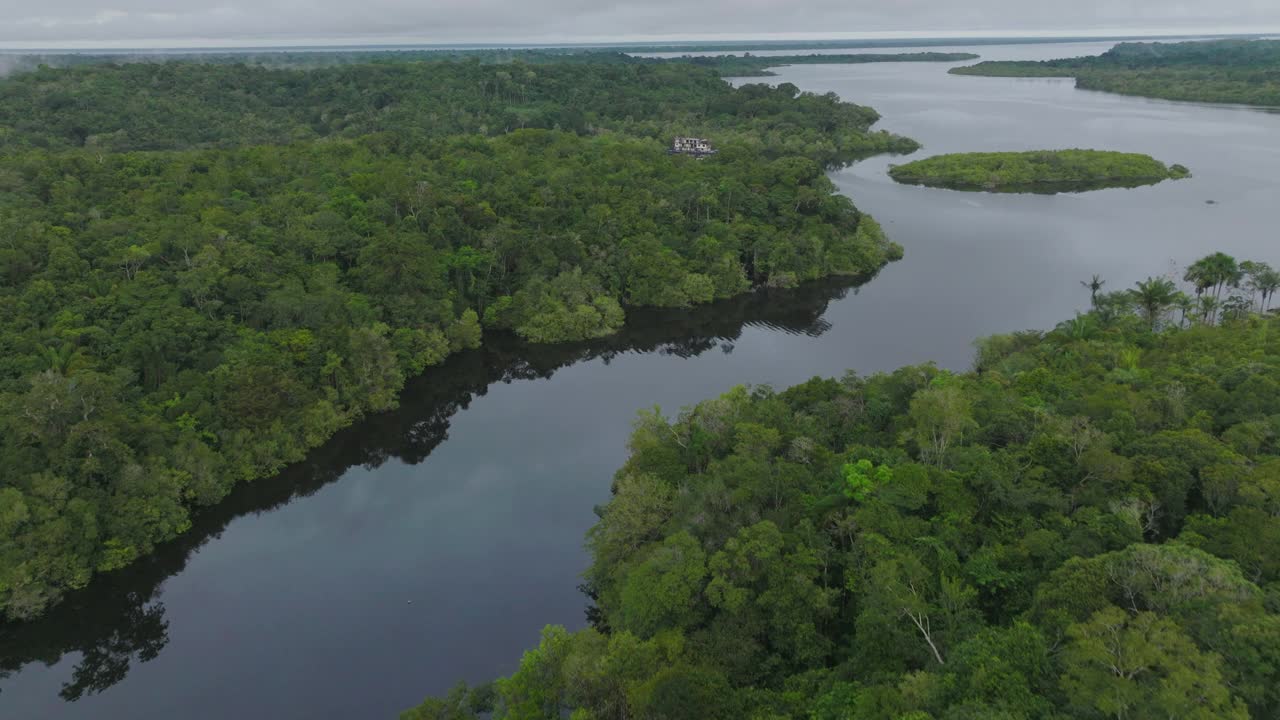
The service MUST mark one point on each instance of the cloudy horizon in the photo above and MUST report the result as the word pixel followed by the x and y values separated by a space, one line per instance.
pixel 75 24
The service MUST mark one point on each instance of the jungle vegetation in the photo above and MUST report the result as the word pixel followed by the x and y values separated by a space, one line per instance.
pixel 1244 72
pixel 1082 526
pixel 120 622
pixel 728 65
pixel 1042 171
pixel 179 106
pixel 208 269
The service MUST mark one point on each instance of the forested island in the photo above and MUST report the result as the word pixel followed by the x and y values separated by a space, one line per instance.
pixel 748 65
pixel 1037 171
pixel 1245 72
pixel 1083 526
pixel 211 268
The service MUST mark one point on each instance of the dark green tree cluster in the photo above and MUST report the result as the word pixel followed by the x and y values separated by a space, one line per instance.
pixel 1082 527
pixel 299 59
pixel 176 321
pixel 1042 171
pixel 187 105
pixel 1245 72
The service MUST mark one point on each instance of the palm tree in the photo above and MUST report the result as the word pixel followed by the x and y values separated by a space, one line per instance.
pixel 1251 271
pixel 1268 284
pixel 1094 284
pixel 1186 304
pixel 1154 296
pixel 1236 307
pixel 1208 309
pixel 1263 281
pixel 1082 327
pixel 1215 271
pixel 1113 306
pixel 62 359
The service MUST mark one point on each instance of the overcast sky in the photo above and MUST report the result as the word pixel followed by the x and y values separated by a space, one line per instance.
pixel 174 23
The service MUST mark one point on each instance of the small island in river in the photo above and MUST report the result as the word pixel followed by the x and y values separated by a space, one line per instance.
pixel 1037 171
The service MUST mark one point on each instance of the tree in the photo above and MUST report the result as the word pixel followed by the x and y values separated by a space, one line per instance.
pixel 537 689
pixel 938 608
pixel 940 416
pixel 462 703
pixel 1216 271
pixel 1263 281
pixel 664 590
pixel 684 692
pixel 862 477
pixel 1094 285
pixel 1185 305
pixel 1154 296
pixel 1144 667
pixel 1208 310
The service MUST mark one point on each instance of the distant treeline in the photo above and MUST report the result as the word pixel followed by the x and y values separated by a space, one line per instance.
pixel 749 65
pixel 310 57
pixel 1243 72
pixel 896 44
pixel 186 105
pixel 746 65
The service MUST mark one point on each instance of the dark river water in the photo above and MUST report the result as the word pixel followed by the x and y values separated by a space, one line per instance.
pixel 430 545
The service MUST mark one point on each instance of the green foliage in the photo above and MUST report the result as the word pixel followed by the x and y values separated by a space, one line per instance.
pixel 515 59
pixel 211 268
pixel 1219 71
pixel 186 104
pixel 864 476
pixel 1081 528
pixel 1144 667
pixel 1154 296
pixel 1038 171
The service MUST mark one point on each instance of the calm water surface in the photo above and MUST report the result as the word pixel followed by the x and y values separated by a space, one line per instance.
pixel 430 545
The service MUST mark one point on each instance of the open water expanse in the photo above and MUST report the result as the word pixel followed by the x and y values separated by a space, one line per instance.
pixel 431 545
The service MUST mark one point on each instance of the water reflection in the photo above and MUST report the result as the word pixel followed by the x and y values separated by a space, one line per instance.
pixel 120 620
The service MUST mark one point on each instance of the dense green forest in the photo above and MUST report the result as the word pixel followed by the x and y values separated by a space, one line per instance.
pixel 148 106
pixel 1042 171
pixel 727 65
pixel 120 622
pixel 1222 71
pixel 1083 526
pixel 209 269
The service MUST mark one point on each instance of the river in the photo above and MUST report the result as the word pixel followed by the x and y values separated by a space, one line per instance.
pixel 431 544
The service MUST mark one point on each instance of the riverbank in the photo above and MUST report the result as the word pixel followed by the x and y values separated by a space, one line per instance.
pixel 301 602
pixel 1239 72
pixel 841 527
pixel 276 253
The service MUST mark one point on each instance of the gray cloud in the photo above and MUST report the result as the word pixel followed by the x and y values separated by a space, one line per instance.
pixel 195 22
